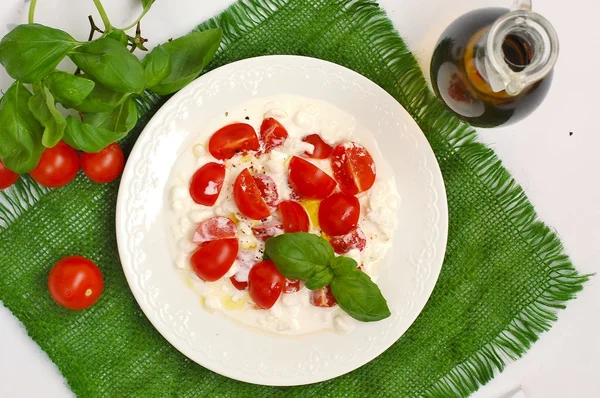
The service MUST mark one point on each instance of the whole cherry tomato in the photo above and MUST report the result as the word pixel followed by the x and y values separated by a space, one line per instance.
pixel 104 166
pixel 7 177
pixel 58 166
pixel 75 283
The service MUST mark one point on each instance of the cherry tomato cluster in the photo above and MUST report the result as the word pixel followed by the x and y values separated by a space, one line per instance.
pixel 60 164
pixel 257 198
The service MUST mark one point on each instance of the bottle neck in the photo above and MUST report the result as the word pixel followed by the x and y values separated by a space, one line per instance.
pixel 520 49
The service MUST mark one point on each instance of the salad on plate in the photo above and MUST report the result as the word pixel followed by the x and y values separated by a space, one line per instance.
pixel 281 214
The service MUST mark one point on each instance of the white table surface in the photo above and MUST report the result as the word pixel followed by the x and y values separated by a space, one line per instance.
pixel 559 172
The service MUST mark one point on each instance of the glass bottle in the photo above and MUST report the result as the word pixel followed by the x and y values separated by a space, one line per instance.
pixel 493 66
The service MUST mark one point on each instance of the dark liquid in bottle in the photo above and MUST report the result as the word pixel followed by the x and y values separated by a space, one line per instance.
pixel 457 81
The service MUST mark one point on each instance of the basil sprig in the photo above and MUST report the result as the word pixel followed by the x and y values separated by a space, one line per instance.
pixel 310 258
pixel 103 90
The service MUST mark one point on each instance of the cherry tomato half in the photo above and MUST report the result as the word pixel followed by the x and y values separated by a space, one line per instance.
pixel 294 216
pixel 215 228
pixel 248 198
pixel 353 240
pixel 7 177
pixel 272 134
pixel 104 166
pixel 339 214
pixel 309 181
pixel 322 150
pixel 230 140
pixel 58 166
pixel 75 283
pixel 207 183
pixel 353 168
pixel 213 259
pixel 237 284
pixel 322 297
pixel 292 286
pixel 268 230
pixel 268 189
pixel 265 284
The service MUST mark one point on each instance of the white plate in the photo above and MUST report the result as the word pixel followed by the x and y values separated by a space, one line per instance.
pixel 217 343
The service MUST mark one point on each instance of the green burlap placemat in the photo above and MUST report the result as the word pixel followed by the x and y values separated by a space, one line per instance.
pixel 504 276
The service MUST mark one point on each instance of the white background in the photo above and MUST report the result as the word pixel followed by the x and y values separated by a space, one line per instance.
pixel 559 172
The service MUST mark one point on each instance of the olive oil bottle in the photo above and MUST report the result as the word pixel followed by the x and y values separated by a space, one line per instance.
pixel 493 66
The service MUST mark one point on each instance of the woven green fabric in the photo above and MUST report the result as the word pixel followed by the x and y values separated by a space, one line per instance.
pixel 504 276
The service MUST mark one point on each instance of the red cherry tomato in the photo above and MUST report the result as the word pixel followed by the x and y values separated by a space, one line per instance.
pixel 292 286
pixel 75 283
pixel 213 259
pixel 353 168
pixel 339 214
pixel 268 189
pixel 215 228
pixel 7 177
pixel 237 284
pixel 207 183
pixel 230 140
pixel 248 198
pixel 104 166
pixel 353 240
pixel 322 297
pixel 309 181
pixel 268 230
pixel 265 284
pixel 272 134
pixel 58 166
pixel 294 216
pixel 322 149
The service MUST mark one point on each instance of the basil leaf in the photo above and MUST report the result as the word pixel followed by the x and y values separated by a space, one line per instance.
pixel 20 134
pixel 189 55
pixel 321 278
pixel 121 120
pixel 342 266
pixel 118 35
pixel 101 99
pixel 31 52
pixel 68 89
pixel 299 255
pixel 109 63
pixel 42 106
pixel 88 138
pixel 359 296
pixel 157 66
